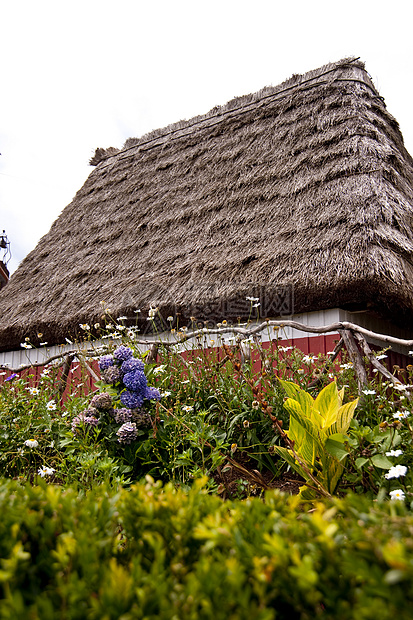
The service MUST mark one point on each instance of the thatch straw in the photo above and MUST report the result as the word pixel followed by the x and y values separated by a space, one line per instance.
pixel 305 185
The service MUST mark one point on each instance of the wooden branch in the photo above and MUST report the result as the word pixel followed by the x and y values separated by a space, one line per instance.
pixel 356 358
pixel 242 333
pixel 378 365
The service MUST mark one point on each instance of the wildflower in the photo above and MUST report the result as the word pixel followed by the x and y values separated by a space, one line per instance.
pixel 246 424
pixel 25 345
pixel 396 472
pixel 13 376
pixel 252 299
pixel 381 357
pixel 68 341
pixel 233 447
pixel 256 305
pixel 96 325
pixel 400 415
pixel 397 494
pixel 43 344
pixel 187 408
pixel 84 326
pixel 159 369
pixel 170 319
pixel 127 432
pixel 31 443
pixel 401 386
pixel 122 318
pixel 33 391
pixel 40 335
pixel 51 405
pixel 45 471
pixel 285 349
pixel 346 366
pixel 301 371
pixel 121 328
pixel 151 313
pixel 307 359
pixel 368 392
pixel 165 394
pixel 255 404
pixel 394 453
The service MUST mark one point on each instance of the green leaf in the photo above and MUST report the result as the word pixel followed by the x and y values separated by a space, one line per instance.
pixel 360 462
pixel 381 461
pixel 336 448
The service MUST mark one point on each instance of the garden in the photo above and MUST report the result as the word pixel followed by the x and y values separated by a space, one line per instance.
pixel 209 475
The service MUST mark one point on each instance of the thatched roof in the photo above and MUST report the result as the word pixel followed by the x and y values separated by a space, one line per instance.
pixel 307 184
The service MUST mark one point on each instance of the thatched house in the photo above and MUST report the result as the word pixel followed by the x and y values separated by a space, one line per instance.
pixel 300 194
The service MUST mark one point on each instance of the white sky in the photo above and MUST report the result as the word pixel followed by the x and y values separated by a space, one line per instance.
pixel 86 73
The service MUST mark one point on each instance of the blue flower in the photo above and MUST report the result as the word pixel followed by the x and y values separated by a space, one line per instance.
pixel 152 394
pixel 135 381
pixel 131 365
pixel 123 353
pixel 131 400
pixel 106 361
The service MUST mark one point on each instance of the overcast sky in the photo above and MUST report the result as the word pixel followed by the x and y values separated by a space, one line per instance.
pixel 81 74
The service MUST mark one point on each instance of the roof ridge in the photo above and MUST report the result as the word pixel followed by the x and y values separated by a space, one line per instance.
pixel 234 105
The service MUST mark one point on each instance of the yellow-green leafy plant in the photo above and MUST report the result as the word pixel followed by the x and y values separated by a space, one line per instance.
pixel 316 436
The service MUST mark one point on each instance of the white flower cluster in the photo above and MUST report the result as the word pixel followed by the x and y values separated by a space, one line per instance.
pixel 396 472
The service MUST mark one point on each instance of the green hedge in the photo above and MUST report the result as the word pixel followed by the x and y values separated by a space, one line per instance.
pixel 161 553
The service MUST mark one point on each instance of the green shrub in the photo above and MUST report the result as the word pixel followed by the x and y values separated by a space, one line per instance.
pixel 153 552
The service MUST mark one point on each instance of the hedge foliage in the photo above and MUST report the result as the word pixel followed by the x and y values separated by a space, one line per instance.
pixel 153 552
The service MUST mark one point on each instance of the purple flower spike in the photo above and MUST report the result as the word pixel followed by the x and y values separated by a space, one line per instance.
pixel 13 376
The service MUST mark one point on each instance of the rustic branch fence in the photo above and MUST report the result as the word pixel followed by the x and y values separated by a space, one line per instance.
pixel 353 337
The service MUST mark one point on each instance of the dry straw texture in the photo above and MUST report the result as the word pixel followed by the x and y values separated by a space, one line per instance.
pixel 305 184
